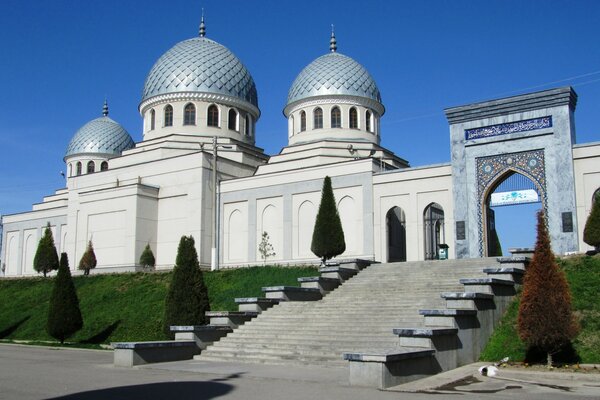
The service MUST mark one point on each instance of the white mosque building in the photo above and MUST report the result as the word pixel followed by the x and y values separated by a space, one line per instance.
pixel 199 108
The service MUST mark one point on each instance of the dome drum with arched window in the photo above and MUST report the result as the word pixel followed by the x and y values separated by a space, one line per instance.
pixel 199 87
pixel 334 97
pixel 94 144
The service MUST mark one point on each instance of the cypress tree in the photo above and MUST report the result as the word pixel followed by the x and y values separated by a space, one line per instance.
pixel 46 257
pixel 88 259
pixel 328 235
pixel 187 298
pixel 64 316
pixel 591 232
pixel 545 320
pixel 147 259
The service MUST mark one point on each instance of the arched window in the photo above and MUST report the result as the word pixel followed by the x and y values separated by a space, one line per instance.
pixel 91 167
pixel 368 121
pixel 336 117
pixel 152 118
pixel 353 123
pixel 302 121
pixel 233 120
pixel 78 168
pixel 317 118
pixel 248 129
pixel 433 225
pixel 169 115
pixel 70 169
pixel 213 116
pixel 189 114
pixel 104 166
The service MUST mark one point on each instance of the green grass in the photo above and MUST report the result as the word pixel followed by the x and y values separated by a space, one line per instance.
pixel 583 274
pixel 124 307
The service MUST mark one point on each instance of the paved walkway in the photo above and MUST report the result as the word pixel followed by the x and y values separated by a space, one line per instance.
pixel 28 372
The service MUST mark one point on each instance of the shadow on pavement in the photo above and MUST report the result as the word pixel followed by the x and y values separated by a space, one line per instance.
pixel 155 391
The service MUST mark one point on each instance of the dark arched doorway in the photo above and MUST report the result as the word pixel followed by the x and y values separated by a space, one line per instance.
pixel 396 234
pixel 433 224
pixel 509 209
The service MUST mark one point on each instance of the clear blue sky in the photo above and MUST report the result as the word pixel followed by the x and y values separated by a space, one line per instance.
pixel 59 59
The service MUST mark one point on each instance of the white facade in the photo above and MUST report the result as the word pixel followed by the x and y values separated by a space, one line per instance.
pixel 161 189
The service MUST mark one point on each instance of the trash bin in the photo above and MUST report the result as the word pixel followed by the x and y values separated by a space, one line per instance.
pixel 442 251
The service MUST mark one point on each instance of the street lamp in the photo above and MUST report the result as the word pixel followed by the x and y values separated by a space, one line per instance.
pixel 214 256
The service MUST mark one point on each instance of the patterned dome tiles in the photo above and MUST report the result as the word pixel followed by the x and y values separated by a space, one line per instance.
pixel 102 136
pixel 200 65
pixel 334 73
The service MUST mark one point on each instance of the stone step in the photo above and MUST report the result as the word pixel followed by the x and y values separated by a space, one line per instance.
pixel 508 273
pixel 341 273
pixel 325 285
pixel 232 319
pixel 228 357
pixel 255 304
pixel 292 293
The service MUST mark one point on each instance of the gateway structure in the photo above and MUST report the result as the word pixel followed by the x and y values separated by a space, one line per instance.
pixel 199 108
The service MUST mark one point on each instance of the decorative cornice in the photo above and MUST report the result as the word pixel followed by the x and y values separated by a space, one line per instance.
pixel 200 96
pixel 564 96
pixel 334 99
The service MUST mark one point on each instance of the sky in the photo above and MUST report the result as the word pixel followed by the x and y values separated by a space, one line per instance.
pixel 60 59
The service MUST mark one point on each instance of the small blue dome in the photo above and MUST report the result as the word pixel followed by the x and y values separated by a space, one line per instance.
pixel 333 74
pixel 100 136
pixel 200 65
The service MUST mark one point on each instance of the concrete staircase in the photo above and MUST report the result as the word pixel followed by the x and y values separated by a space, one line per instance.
pixel 357 317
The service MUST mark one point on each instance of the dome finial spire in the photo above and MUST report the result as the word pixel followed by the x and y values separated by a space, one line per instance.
pixel 332 41
pixel 105 108
pixel 202 30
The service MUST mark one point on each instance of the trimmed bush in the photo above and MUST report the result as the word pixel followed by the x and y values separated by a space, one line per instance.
pixel 88 260
pixel 46 257
pixel 591 232
pixel 187 298
pixel 64 316
pixel 545 322
pixel 147 259
pixel 328 235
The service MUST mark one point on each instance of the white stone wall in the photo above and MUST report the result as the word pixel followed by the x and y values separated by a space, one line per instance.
pixel 413 190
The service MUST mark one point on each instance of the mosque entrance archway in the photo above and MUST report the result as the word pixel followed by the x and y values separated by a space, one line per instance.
pixel 396 234
pixel 434 233
pixel 509 210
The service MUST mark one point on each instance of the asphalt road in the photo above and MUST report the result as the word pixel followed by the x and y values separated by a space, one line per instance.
pixel 28 372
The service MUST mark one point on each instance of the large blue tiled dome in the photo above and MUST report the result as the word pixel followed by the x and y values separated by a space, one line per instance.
pixel 333 74
pixel 100 136
pixel 200 65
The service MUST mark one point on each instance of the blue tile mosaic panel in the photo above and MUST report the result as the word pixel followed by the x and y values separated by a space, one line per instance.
pixel 491 170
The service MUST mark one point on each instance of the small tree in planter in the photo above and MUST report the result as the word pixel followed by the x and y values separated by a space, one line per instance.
pixel 64 315
pixel 46 257
pixel 545 320
pixel 88 260
pixel 265 248
pixel 328 235
pixel 591 232
pixel 187 298
pixel 147 259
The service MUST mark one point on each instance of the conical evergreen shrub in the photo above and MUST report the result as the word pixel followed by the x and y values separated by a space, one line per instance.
pixel 187 298
pixel 64 316
pixel 88 259
pixel 591 232
pixel 147 259
pixel 545 320
pixel 46 257
pixel 328 235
